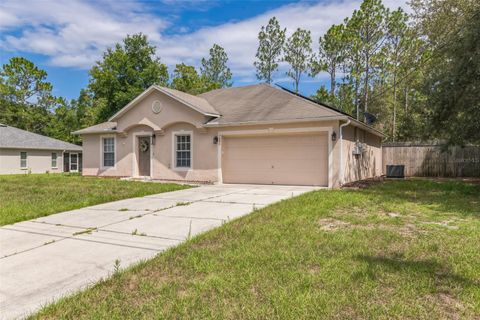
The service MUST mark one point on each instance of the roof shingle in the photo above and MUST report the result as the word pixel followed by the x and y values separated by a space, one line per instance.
pixel 263 103
pixel 14 138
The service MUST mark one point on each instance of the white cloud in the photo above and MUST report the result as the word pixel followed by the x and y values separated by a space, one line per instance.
pixel 75 33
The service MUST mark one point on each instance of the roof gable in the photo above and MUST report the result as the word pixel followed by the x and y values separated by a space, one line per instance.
pixel 194 102
pixel 14 138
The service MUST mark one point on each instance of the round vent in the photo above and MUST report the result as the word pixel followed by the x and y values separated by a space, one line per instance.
pixel 157 106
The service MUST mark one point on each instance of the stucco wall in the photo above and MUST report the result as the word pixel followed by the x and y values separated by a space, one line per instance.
pixel 176 117
pixel 366 165
pixel 38 161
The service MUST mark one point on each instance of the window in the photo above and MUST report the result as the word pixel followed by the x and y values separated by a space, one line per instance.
pixel 54 160
pixel 73 162
pixel 108 152
pixel 23 160
pixel 183 151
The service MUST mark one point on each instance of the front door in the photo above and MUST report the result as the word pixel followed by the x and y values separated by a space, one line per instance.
pixel 144 156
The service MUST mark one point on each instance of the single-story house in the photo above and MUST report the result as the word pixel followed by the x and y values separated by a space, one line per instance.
pixel 26 152
pixel 255 134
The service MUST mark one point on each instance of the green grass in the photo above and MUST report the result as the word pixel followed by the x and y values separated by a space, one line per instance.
pixel 25 197
pixel 404 250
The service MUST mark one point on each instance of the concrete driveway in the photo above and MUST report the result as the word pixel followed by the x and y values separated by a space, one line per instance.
pixel 46 258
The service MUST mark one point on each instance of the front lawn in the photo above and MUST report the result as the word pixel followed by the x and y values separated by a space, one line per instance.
pixel 25 197
pixel 406 249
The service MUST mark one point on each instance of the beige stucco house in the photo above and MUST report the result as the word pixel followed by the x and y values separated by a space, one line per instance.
pixel 252 134
pixel 27 152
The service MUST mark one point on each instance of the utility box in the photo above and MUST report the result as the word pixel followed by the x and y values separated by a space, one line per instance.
pixel 396 171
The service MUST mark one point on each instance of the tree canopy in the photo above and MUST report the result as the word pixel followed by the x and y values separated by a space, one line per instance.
pixel 298 54
pixel 124 72
pixel 270 44
pixel 214 68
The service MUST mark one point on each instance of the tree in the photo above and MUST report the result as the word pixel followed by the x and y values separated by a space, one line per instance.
pixel 270 43
pixel 123 73
pixel 63 122
pixel 453 89
pixel 322 95
pixel 214 69
pixel 26 99
pixel 331 54
pixel 352 66
pixel 186 78
pixel 298 53
pixel 370 25
pixel 398 44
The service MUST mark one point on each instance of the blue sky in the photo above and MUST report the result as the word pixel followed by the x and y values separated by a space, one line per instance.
pixel 66 37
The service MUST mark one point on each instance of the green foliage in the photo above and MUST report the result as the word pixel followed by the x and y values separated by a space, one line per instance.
pixel 124 72
pixel 298 54
pixel 186 78
pixel 453 90
pixel 322 95
pixel 26 99
pixel 331 53
pixel 270 43
pixel 215 69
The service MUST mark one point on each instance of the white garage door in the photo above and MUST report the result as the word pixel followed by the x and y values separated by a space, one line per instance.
pixel 276 159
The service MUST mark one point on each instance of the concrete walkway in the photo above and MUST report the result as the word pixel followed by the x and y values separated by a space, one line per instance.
pixel 46 258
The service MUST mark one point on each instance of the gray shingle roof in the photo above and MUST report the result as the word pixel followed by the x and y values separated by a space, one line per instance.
pixel 262 102
pixel 14 138
pixel 108 126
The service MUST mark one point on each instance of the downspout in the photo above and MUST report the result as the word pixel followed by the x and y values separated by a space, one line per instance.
pixel 342 166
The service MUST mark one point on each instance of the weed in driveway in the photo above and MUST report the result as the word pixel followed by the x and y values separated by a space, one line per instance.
pixel 86 231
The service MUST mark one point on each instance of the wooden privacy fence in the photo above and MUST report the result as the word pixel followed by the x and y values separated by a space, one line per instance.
pixel 429 160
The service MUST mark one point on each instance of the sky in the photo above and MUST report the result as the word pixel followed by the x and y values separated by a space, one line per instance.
pixel 66 37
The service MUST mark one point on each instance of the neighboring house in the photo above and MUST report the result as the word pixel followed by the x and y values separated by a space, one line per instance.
pixel 26 152
pixel 253 134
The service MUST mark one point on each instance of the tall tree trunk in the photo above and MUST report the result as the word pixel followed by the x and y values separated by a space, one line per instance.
pixel 406 100
pixel 394 103
pixel 357 100
pixel 297 81
pixel 367 71
pixel 332 81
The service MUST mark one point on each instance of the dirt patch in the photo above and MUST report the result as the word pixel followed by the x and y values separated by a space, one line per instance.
pixel 445 224
pixel 330 224
pixel 393 214
pixel 363 184
pixel 450 307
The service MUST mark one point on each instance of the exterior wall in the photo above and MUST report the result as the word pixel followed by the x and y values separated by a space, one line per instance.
pixel 38 161
pixel 206 156
pixel 367 165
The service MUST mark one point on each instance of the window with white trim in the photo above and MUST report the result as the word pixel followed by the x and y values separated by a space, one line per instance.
pixel 108 152
pixel 183 152
pixel 54 160
pixel 23 160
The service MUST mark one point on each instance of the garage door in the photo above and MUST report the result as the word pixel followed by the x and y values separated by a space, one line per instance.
pixel 276 159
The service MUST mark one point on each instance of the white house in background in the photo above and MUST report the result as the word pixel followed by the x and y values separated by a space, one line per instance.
pixel 26 152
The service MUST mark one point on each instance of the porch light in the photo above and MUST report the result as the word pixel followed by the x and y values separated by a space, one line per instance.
pixel 334 136
pixel 215 140
pixel 153 139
